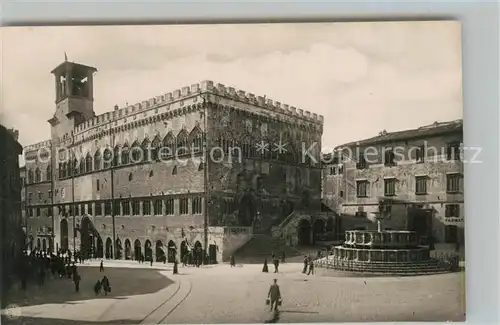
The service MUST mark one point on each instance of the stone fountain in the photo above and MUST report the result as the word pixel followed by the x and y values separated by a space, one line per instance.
pixel 383 252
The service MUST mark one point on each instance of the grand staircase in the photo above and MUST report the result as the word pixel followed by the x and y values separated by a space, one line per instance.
pixel 261 246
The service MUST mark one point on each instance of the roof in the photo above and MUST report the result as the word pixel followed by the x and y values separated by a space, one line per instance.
pixel 437 128
pixel 63 66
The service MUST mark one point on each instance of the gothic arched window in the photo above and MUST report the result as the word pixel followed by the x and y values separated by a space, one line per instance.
pixel 196 139
pixel 155 146
pixel 147 154
pixel 49 173
pixel 30 177
pixel 125 155
pixel 168 149
pixel 97 159
pixel 107 158
pixel 182 145
pixel 116 156
pixel 136 153
pixel 38 175
pixel 88 163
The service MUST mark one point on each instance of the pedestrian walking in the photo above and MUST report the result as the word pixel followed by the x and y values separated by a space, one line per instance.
pixel 311 267
pixel 101 266
pixel 232 261
pixel 76 280
pixel 306 263
pixel 97 287
pixel 151 261
pixel 106 286
pixel 175 269
pixel 274 295
pixel 265 269
pixel 276 265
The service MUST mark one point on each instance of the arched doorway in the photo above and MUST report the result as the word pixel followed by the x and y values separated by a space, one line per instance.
pixel 109 248
pixel 304 232
pixel 160 254
pixel 86 237
pixel 319 228
pixel 171 252
pixel 246 211
pixel 137 250
pixel 38 244
pixel 100 248
pixel 184 250
pixel 64 235
pixel 51 245
pixel 128 249
pixel 44 245
pixel 212 254
pixel 148 251
pixel 119 249
pixel 330 224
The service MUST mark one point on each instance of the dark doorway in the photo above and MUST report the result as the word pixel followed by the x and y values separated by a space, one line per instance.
pixel 451 234
pixel 160 253
pixel 287 208
pixel 38 244
pixel 148 250
pixel 64 235
pixel 246 211
pixel 420 221
pixel 109 248
pixel 319 229
pixel 86 237
pixel 44 245
pixel 100 248
pixel 304 232
pixel 128 249
pixel 171 252
pixel 330 224
pixel 212 254
pixel 137 250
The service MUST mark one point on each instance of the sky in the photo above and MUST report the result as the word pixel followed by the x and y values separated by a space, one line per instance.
pixel 363 77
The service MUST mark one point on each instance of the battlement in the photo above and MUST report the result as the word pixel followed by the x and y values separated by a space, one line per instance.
pixel 194 89
pixel 36 146
pixel 264 102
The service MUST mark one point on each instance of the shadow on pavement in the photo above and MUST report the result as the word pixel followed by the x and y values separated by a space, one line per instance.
pixel 124 282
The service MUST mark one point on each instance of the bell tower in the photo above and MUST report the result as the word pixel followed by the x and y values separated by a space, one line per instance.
pixel 74 94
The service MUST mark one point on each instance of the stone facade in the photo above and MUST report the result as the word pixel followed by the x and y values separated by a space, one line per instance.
pixel 10 190
pixel 415 187
pixel 218 191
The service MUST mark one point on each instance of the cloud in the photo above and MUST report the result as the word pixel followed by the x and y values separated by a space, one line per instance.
pixel 364 77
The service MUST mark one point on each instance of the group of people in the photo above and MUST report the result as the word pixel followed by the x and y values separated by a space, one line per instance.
pixel 36 265
pixel 276 262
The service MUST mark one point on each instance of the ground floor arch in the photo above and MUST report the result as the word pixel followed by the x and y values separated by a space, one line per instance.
pixel 109 248
pixel 304 232
pixel 64 234
pixel 137 250
pixel 99 248
pixel 172 249
pixel 119 249
pixel 44 245
pixel 38 243
pixel 159 251
pixel 319 229
pixel 128 249
pixel 212 254
pixel 148 251
pixel 87 236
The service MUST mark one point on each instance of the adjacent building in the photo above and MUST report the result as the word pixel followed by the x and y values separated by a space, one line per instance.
pixel 412 178
pixel 203 166
pixel 10 204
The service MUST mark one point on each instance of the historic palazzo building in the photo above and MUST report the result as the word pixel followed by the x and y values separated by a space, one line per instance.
pixel 203 166
pixel 412 178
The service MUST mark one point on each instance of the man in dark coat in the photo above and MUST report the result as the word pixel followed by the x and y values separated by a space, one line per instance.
pixel 274 295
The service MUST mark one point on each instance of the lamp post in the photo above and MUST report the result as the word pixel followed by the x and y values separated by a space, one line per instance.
pixel 205 179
